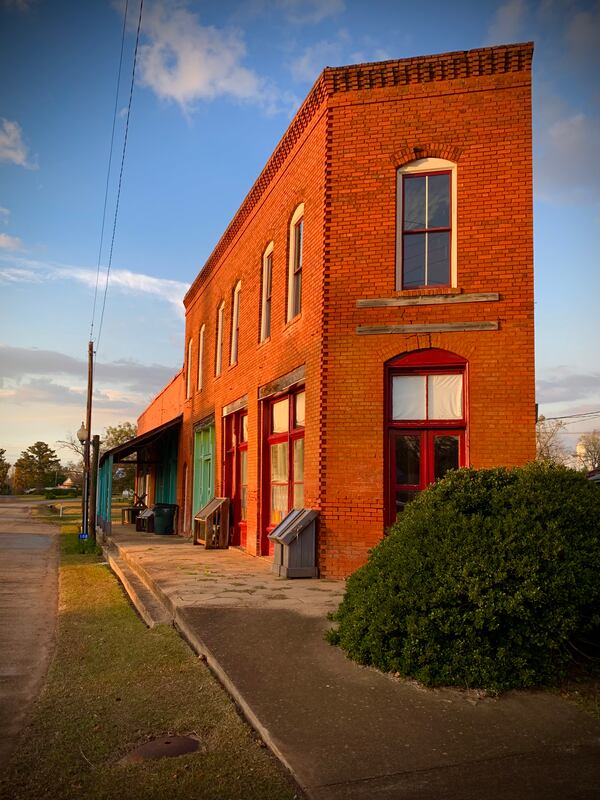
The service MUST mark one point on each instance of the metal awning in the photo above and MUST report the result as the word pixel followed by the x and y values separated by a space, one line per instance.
pixel 121 451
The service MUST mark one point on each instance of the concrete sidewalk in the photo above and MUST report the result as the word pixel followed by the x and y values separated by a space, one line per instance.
pixel 343 730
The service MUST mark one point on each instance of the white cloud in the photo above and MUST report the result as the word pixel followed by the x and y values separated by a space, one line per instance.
pixel 185 61
pixel 27 270
pixel 4 214
pixel 507 23
pixel 9 242
pixel 12 147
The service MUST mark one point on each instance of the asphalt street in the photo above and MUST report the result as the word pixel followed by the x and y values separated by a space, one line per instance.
pixel 28 608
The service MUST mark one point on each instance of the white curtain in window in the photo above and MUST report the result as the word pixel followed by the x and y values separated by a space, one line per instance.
pixel 408 397
pixel 445 397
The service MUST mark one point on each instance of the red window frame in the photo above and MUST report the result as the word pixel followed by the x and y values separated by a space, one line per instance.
pixel 432 361
pixel 427 230
pixel 294 433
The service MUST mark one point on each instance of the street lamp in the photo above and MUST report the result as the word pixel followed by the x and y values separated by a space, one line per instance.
pixel 83 436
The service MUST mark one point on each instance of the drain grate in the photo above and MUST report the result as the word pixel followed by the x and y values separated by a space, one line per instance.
pixel 164 747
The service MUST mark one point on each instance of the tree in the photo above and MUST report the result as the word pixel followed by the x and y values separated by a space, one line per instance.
pixel 37 467
pixel 549 445
pixel 4 468
pixel 588 450
pixel 114 435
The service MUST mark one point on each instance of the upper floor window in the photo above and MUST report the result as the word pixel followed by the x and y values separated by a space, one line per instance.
pixel 295 263
pixel 235 324
pixel 201 357
pixel 188 382
pixel 267 285
pixel 219 340
pixel 426 241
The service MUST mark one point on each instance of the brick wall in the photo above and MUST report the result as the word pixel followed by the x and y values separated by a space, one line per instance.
pixel 166 406
pixel 340 157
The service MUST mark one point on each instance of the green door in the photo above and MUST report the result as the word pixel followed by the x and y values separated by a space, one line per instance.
pixel 204 467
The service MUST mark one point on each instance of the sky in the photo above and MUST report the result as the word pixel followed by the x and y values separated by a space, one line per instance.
pixel 216 86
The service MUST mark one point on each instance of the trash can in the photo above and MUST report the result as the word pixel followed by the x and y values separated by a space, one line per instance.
pixel 164 517
pixel 295 540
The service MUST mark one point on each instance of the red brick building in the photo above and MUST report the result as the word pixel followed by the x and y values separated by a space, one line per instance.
pixel 366 320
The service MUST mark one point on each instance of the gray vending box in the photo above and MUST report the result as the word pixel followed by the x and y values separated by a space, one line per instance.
pixel 295 541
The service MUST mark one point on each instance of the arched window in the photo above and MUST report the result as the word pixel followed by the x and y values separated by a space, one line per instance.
pixel 426 224
pixel 266 289
pixel 201 358
pixel 188 382
pixel 426 422
pixel 294 306
pixel 219 340
pixel 235 323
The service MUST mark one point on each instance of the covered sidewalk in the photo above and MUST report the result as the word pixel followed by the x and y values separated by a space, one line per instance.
pixel 156 469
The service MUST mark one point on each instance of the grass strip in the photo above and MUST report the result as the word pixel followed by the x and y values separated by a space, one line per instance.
pixel 114 684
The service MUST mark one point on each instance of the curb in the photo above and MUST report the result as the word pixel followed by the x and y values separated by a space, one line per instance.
pixel 177 617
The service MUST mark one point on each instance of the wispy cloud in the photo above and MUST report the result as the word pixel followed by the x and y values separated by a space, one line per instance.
pixel 507 23
pixel 4 214
pixel 583 35
pixel 340 49
pixel 564 170
pixel 16 269
pixel 9 242
pixel 19 365
pixel 310 12
pixel 562 385
pixel 12 147
pixel 19 5
pixel 185 61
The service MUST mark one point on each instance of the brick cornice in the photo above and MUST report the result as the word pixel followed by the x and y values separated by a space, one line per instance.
pixel 458 65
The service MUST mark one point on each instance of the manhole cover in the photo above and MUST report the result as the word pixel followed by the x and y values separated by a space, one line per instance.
pixel 165 747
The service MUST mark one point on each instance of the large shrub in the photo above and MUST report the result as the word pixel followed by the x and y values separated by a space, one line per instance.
pixel 485 580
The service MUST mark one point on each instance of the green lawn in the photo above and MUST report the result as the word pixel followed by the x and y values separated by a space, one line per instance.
pixel 114 684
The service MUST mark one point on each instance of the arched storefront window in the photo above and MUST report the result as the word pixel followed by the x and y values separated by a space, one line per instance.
pixel 426 422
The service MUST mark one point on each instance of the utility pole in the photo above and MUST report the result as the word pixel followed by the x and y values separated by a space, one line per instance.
pixel 86 445
pixel 94 486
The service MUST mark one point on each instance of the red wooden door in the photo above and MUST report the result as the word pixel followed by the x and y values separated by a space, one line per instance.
pixel 236 475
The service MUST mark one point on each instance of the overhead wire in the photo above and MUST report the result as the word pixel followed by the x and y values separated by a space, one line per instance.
pixel 114 229
pixel 109 169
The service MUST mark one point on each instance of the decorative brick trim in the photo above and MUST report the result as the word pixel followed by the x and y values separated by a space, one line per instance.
pixel 415 152
pixel 358 77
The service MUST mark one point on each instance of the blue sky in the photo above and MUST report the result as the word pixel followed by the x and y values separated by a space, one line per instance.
pixel 217 84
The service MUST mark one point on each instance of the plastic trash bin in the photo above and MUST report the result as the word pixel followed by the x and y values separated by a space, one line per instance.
pixel 164 517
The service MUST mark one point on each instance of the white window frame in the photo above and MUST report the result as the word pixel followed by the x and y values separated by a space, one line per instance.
pixel 264 334
pixel 296 217
pixel 188 381
pixel 235 324
pixel 219 340
pixel 201 357
pixel 427 165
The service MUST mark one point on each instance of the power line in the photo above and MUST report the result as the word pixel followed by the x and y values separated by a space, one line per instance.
pixel 112 140
pixel 573 416
pixel 112 241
